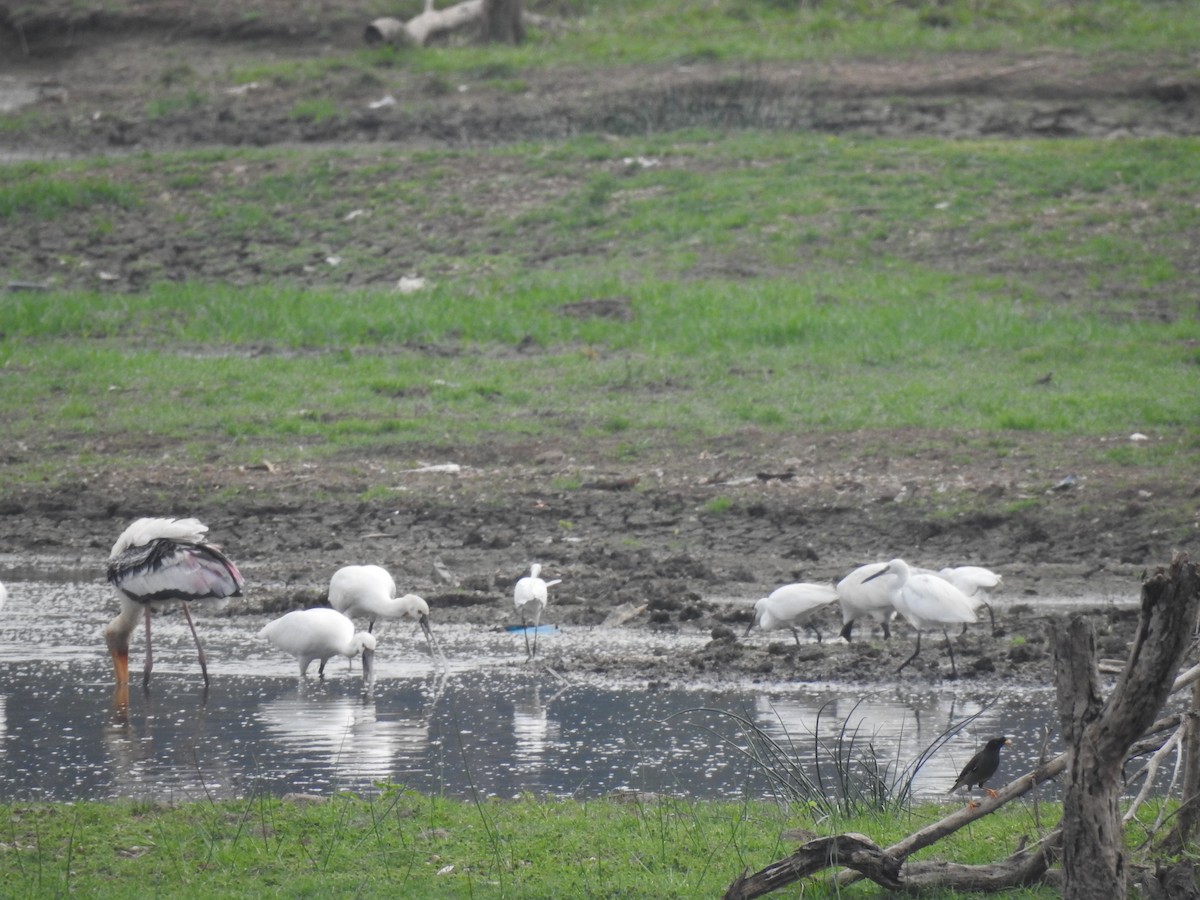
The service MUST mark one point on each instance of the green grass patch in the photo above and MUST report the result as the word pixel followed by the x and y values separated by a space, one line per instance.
pixel 420 846
pixel 349 372
pixel 40 191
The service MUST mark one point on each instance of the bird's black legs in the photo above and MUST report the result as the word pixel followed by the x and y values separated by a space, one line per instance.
pixel 525 631
pixel 149 655
pixel 991 615
pixel 887 632
pixel 199 647
pixel 950 647
pixel 911 658
pixel 815 630
pixel 848 630
pixel 537 619
pixel 796 635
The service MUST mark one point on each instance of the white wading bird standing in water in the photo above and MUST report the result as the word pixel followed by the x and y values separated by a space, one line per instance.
pixel 862 598
pixel 792 605
pixel 371 591
pixel 161 560
pixel 321 633
pixel 927 601
pixel 529 597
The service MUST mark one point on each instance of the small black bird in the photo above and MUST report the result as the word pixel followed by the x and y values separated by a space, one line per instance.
pixel 982 766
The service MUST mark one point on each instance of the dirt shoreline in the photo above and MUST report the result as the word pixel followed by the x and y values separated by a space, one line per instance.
pixel 462 539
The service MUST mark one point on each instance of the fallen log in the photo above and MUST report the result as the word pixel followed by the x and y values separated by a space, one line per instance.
pixel 420 28
pixel 856 851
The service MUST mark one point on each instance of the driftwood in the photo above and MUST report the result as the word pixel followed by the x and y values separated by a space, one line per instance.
pixel 1100 733
pixel 420 28
pixel 857 851
pixel 1166 599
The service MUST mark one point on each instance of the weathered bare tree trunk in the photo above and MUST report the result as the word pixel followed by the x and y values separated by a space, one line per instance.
pixel 502 22
pixel 1099 734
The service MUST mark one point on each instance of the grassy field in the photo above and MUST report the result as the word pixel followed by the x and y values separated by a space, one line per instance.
pixel 434 847
pixel 882 284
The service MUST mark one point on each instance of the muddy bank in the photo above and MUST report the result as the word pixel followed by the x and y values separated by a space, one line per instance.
pixel 106 85
pixel 645 540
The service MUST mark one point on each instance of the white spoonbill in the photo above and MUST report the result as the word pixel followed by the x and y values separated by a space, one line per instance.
pixel 158 560
pixel 860 598
pixel 927 601
pixel 321 633
pixel 371 591
pixel 792 605
pixel 529 597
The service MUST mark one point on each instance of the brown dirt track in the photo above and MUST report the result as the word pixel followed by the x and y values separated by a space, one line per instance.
pixel 801 508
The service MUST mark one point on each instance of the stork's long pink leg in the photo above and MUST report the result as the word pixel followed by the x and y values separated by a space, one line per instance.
pixel 149 654
pixel 199 649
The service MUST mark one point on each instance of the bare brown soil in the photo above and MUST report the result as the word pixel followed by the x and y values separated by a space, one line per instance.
pixel 641 533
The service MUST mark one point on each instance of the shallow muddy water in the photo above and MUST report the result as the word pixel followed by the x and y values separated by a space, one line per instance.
pixel 486 721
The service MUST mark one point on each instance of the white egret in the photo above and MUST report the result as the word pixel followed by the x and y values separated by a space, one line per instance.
pixel 977 583
pixel 860 598
pixel 160 560
pixel 321 633
pixel 927 601
pixel 792 605
pixel 529 597
pixel 371 591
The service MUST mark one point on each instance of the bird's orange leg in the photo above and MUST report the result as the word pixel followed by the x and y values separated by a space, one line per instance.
pixel 991 793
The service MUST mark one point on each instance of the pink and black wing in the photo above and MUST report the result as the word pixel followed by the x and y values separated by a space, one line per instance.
pixel 166 569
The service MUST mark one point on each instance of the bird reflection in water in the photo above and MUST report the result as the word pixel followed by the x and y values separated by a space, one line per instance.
pixel 533 729
pixel 903 735
pixel 348 734
pixel 171 765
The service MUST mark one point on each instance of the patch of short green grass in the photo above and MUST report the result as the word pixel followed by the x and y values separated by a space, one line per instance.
pixel 429 846
pixel 40 192
pixel 355 370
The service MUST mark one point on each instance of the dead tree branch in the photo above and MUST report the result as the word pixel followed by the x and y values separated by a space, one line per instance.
pixel 1099 733
pixel 420 28
pixel 1166 602
pixel 856 851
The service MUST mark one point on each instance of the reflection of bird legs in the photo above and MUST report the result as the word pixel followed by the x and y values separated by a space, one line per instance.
pixel 439 687
pixel 566 683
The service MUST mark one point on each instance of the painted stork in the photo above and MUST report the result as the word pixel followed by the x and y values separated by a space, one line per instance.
pixel 157 561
